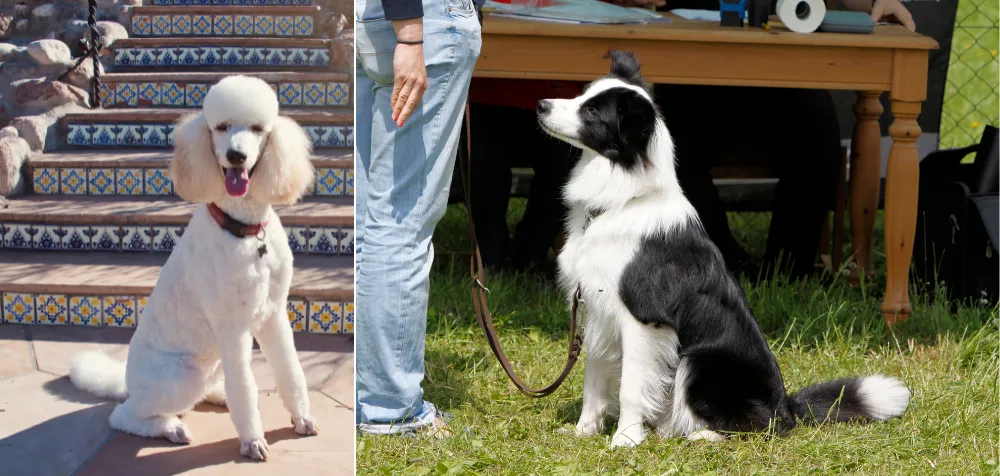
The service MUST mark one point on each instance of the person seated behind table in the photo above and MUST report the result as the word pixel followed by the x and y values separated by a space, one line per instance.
pixel 506 135
pixel 798 130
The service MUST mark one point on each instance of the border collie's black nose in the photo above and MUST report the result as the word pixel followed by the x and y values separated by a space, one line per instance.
pixel 544 106
pixel 235 157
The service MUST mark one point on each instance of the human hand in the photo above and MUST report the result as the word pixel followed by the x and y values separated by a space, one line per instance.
pixel 408 69
pixel 893 9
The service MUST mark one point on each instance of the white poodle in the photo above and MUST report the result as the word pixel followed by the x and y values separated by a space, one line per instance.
pixel 225 283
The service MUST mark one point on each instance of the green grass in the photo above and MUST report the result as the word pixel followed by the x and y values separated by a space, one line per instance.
pixel 949 359
pixel 970 96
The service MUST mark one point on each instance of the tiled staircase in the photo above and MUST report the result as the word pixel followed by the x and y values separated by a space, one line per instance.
pixel 84 247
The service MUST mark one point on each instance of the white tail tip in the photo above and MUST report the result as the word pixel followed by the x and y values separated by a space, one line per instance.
pixel 885 397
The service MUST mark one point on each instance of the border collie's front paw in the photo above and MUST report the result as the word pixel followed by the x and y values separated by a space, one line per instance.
pixel 306 426
pixel 256 450
pixel 705 435
pixel 588 428
pixel 629 437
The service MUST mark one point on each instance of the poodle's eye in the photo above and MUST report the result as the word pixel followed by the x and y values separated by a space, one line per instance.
pixel 222 127
pixel 257 128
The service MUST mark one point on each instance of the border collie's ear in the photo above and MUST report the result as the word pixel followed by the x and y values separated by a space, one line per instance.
pixel 625 67
pixel 637 122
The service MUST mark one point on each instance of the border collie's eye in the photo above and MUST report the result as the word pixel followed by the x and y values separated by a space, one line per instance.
pixel 222 127
pixel 257 128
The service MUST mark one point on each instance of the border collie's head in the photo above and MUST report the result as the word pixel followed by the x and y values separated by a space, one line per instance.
pixel 614 117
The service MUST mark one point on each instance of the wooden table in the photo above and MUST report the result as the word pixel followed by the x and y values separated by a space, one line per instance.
pixel 694 52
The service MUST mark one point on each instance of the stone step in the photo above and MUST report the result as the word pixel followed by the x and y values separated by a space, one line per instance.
pixel 154 128
pixel 220 21
pixel 144 172
pixel 320 226
pixel 197 3
pixel 187 90
pixel 111 290
pixel 220 54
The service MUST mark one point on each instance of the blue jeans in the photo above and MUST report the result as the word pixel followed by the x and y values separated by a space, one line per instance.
pixel 402 181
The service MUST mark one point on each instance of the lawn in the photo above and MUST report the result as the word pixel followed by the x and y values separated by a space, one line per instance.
pixel 949 358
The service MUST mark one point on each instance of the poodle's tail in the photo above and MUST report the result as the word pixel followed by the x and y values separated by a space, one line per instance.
pixel 93 371
pixel 865 398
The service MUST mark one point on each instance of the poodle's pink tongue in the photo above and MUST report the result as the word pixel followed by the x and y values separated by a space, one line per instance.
pixel 237 181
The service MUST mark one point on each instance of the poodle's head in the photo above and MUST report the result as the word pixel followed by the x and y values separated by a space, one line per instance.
pixel 239 146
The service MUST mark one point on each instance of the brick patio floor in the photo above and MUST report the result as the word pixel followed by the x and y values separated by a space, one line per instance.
pixel 48 427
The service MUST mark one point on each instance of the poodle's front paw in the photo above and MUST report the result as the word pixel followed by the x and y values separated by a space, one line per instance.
pixel 178 433
pixel 628 437
pixel 306 426
pixel 255 449
pixel 216 398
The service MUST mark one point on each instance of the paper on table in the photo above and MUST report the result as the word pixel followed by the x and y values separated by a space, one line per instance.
pixel 575 11
pixel 706 15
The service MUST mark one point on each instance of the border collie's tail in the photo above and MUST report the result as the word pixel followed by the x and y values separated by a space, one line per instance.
pixel 863 398
pixel 93 371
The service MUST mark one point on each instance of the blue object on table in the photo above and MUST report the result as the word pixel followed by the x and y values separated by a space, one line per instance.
pixel 732 12
pixel 847 22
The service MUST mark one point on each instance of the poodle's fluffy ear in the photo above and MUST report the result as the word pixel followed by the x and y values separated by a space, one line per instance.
pixel 285 170
pixel 194 169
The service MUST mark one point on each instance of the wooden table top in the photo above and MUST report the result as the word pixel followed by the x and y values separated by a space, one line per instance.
pixel 680 29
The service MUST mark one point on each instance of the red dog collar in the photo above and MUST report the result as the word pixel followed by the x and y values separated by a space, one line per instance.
pixel 233 226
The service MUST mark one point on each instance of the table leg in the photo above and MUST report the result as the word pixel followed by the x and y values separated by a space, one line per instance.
pixel 901 183
pixel 866 158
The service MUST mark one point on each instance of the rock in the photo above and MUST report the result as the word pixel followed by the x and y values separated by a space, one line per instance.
pixel 46 52
pixel 21 26
pixel 13 153
pixel 81 76
pixel 6 24
pixel 8 131
pixel 132 3
pixel 22 10
pixel 33 129
pixel 7 50
pixel 44 12
pixel 36 96
pixel 110 32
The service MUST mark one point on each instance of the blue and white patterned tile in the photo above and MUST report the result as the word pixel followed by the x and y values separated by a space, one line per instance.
pixel 101 181
pixel 141 25
pixel 210 55
pixel 232 56
pixel 154 135
pixel 297 314
pixel 149 94
pixel 75 238
pixel 222 25
pixel 106 238
pixel 157 182
pixel 346 241
pixel 349 136
pixel 172 94
pixel 290 94
pixel 104 135
pixel 325 317
pixel 146 56
pixel 315 133
pixel 243 25
pixel 4 230
pixel 78 135
pixel 275 56
pixel 85 311
pixel 161 25
pixel 337 137
pixel 119 311
pixel 187 56
pixel 201 25
pixel 51 309
pixel 47 237
pixel 45 181
pixel 324 240
pixel 349 181
pixel 348 321
pixel 314 94
pixel 263 25
pixel 330 182
pixel 165 238
pixel 129 135
pixel 181 25
pixel 18 236
pixel 140 306
pixel 137 238
pixel 284 25
pixel 297 57
pixel 19 308
pixel 170 135
pixel 297 239
pixel 195 94
pixel 126 94
pixel 320 57
pixel 124 56
pixel 107 93
pixel 129 181
pixel 337 94
pixel 303 26
pixel 254 56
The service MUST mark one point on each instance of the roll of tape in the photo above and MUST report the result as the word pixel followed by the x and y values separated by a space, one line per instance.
pixel 801 16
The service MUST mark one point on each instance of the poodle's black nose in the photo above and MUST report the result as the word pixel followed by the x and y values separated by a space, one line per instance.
pixel 544 106
pixel 235 157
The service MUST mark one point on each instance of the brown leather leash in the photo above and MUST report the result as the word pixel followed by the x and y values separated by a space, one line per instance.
pixel 480 292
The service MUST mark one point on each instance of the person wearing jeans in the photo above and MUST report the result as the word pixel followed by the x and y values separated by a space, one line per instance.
pixel 414 64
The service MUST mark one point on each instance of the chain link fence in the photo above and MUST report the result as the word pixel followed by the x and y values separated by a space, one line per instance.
pixel 970 95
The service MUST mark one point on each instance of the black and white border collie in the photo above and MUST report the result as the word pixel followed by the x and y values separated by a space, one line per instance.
pixel 667 327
